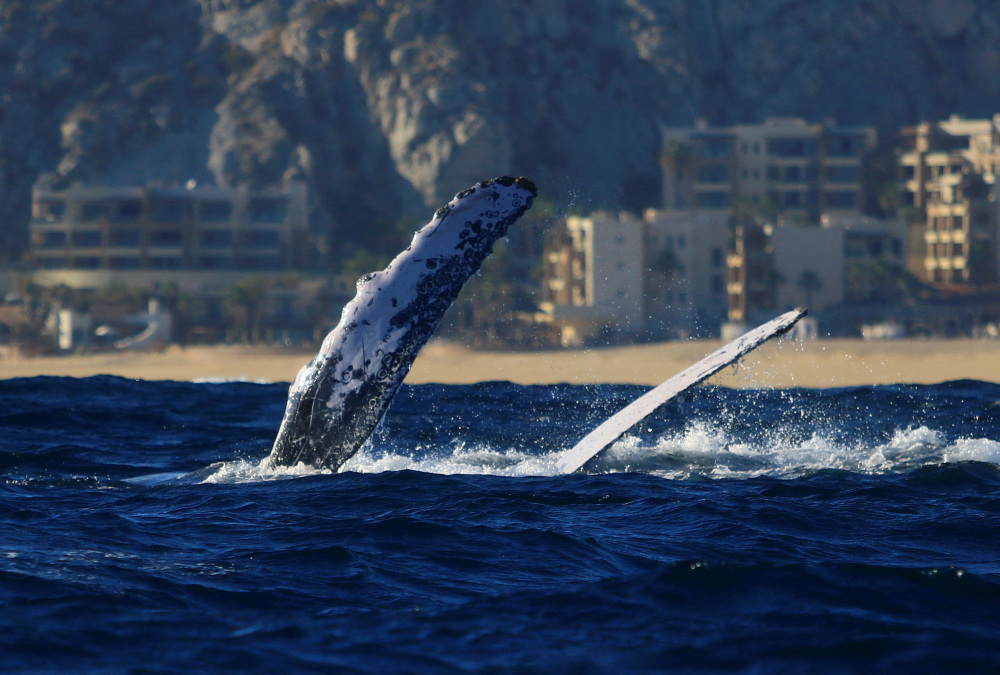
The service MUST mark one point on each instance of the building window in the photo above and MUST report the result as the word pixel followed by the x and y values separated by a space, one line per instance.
pixel 92 211
pixel 128 211
pixel 51 211
pixel 123 238
pixel 260 262
pixel 262 239
pixel 717 257
pixel 166 238
pixel 267 210
pixel 165 262
pixel 171 211
pixel 215 262
pixel 717 284
pixel 841 200
pixel 843 146
pixel 86 238
pixel 714 173
pixel 793 174
pixel 124 263
pixel 791 147
pixel 713 200
pixel 54 240
pixel 86 263
pixel 215 212
pixel 681 241
pixel 216 238
pixel 793 200
pixel 714 148
pixel 52 263
pixel 842 174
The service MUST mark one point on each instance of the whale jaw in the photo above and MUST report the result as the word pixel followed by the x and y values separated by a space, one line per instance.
pixel 340 396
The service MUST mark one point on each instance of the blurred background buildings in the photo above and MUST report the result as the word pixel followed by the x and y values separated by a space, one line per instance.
pixel 702 164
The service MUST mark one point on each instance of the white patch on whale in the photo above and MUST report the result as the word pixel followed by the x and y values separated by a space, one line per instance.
pixel 339 397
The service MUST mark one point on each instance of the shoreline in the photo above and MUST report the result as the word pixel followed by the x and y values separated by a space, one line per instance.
pixel 783 363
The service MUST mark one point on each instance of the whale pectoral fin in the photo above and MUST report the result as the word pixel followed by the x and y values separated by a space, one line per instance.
pixel 626 418
pixel 334 407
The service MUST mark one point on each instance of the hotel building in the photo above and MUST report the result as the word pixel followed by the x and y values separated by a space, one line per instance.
pixel 949 172
pixel 132 229
pixel 784 167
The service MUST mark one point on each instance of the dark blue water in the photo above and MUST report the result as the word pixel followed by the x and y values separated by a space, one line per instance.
pixel 852 530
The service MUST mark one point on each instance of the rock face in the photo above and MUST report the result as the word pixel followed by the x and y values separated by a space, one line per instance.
pixel 388 107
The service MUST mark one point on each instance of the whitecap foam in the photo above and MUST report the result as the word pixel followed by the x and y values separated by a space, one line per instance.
pixel 461 459
pixel 701 450
pixel 229 380
pixel 973 449
pixel 248 471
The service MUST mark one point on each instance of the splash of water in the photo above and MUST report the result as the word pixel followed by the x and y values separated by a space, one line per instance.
pixel 700 451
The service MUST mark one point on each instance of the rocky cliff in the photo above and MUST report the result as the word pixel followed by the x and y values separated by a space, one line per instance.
pixel 388 107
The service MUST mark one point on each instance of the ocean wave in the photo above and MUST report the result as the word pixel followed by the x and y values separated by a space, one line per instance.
pixel 700 451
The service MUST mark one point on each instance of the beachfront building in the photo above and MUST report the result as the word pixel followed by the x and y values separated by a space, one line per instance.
pixel 158 228
pixel 592 278
pixel 659 276
pixel 949 173
pixel 776 267
pixel 784 167
pixel 685 272
pixel 237 260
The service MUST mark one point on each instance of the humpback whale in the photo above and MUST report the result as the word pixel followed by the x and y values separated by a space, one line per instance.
pixel 339 397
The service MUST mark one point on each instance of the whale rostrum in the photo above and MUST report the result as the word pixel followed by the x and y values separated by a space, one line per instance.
pixel 339 397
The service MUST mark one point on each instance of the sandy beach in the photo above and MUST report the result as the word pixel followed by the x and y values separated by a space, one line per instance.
pixel 781 363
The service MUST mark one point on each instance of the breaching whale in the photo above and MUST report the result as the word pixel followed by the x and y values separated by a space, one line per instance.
pixel 339 397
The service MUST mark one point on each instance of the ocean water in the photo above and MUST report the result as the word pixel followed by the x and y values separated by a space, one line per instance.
pixel 737 531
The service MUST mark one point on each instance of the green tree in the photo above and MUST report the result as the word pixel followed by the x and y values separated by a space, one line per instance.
pixel 247 301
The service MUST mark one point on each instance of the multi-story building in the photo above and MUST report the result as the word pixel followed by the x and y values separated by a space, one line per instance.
pixel 949 171
pixel 593 277
pixel 661 276
pixel 784 167
pixel 158 228
pixel 773 268
pixel 685 272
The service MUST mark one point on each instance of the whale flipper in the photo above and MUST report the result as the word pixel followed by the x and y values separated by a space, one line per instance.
pixel 339 397
pixel 615 426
